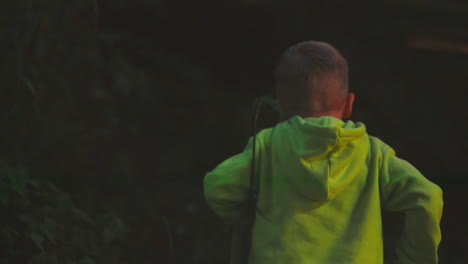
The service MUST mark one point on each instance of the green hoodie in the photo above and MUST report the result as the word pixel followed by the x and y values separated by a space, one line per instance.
pixel 323 184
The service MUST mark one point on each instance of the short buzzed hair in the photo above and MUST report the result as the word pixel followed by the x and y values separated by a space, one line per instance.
pixel 309 70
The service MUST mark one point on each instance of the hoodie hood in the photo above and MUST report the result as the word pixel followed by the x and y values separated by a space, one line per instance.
pixel 318 157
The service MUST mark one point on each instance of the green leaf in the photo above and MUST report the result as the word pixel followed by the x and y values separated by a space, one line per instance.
pixel 81 215
pixel 50 237
pixel 27 219
pixel 19 180
pixel 38 240
pixel 48 228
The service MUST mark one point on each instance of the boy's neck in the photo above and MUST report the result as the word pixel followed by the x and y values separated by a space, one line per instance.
pixel 305 115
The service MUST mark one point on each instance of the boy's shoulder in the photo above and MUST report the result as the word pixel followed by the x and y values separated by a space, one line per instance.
pixel 379 145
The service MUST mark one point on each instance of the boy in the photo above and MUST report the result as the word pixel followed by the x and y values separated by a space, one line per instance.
pixel 323 182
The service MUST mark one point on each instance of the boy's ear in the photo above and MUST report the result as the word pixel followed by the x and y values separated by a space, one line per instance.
pixel 348 108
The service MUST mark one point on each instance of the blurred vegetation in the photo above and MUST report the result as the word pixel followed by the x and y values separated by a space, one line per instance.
pixel 112 111
pixel 101 126
pixel 44 226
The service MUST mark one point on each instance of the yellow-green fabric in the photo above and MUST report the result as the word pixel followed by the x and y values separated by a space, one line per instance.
pixel 323 186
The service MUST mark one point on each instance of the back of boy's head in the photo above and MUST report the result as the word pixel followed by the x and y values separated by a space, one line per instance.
pixel 311 77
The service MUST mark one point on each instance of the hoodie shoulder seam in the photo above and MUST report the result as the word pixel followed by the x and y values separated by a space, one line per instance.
pixel 338 131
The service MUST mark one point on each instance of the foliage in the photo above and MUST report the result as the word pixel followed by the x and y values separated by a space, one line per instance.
pixel 41 224
pixel 101 115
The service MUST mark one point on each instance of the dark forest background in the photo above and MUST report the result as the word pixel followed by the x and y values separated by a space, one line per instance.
pixel 111 112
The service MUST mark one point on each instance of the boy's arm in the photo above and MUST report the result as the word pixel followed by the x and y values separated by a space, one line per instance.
pixel 405 189
pixel 227 187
